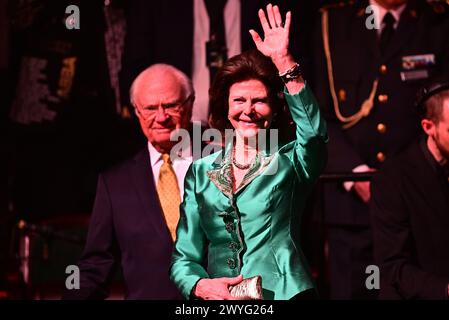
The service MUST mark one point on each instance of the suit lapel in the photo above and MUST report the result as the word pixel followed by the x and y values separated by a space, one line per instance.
pixel 142 176
pixel 369 38
pixel 221 173
pixel 362 41
pixel 366 39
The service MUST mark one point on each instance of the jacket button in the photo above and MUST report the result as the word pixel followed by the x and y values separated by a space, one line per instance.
pixel 383 69
pixel 381 128
pixel 231 263
pixel 229 226
pixel 342 95
pixel 233 246
pixel 383 98
pixel 381 156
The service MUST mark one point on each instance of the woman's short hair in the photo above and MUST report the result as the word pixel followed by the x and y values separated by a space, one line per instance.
pixel 246 66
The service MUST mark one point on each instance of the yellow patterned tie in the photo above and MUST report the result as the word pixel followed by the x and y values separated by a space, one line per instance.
pixel 169 196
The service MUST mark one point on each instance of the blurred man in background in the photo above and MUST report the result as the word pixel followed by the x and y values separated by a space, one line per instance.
pixel 371 57
pixel 410 208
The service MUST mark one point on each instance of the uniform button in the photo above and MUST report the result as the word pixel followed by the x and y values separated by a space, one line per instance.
pixel 383 98
pixel 342 95
pixel 233 246
pixel 381 156
pixel 229 226
pixel 381 128
pixel 231 263
pixel 383 69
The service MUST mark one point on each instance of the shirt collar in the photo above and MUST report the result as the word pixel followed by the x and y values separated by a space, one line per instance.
pixel 155 156
pixel 380 13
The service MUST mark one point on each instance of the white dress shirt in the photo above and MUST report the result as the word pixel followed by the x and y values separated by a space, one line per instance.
pixel 180 165
pixel 200 71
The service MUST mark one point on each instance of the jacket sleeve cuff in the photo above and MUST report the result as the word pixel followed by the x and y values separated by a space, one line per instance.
pixel 349 184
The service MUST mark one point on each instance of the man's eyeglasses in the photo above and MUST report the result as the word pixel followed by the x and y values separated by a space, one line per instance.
pixel 170 108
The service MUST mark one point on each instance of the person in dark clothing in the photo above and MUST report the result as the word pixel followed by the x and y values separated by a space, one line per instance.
pixel 410 209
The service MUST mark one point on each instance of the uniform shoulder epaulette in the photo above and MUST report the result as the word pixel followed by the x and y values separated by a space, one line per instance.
pixel 439 6
pixel 340 4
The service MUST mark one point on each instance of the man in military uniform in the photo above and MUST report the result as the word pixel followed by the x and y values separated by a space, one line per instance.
pixel 371 57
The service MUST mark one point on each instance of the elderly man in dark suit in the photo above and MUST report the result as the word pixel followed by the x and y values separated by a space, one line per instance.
pixel 410 209
pixel 137 203
pixel 371 57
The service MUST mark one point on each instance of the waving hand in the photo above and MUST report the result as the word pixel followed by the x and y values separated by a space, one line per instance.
pixel 276 33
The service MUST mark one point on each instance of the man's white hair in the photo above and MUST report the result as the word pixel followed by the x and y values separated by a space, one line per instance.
pixel 161 68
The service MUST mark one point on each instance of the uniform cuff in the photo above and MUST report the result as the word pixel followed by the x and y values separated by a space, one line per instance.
pixel 348 185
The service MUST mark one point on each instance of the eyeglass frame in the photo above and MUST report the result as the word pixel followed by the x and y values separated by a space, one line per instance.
pixel 176 106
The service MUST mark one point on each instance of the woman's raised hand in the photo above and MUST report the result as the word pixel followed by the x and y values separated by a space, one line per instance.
pixel 275 43
pixel 276 33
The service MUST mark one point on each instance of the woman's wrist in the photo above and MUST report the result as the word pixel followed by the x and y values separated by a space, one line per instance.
pixel 194 292
pixel 283 62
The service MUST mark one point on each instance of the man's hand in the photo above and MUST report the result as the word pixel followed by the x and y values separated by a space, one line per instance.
pixel 216 289
pixel 362 188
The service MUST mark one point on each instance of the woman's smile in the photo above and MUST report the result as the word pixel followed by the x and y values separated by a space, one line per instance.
pixel 249 109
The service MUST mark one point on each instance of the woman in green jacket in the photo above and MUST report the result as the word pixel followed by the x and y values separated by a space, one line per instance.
pixel 242 205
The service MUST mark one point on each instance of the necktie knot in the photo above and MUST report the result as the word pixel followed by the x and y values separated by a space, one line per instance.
pixel 388 20
pixel 166 158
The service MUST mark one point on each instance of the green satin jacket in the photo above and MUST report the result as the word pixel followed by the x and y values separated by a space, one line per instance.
pixel 254 231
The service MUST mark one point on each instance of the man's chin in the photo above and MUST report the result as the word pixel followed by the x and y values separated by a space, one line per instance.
pixel 162 141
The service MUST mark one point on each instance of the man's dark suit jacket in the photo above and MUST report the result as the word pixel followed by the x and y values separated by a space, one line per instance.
pixel 127 228
pixel 410 219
